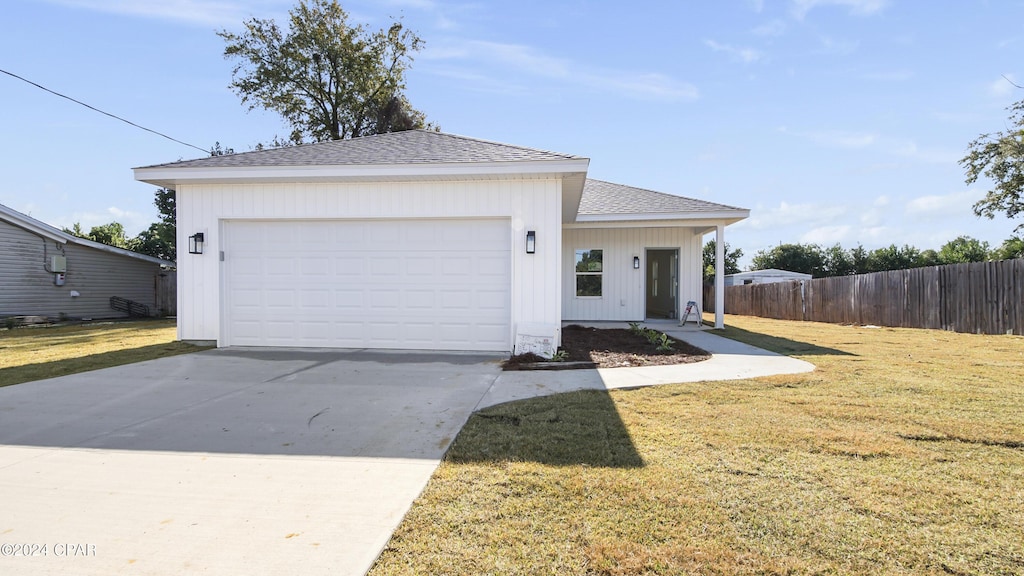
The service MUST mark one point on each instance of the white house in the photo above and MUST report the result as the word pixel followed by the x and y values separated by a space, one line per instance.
pixel 423 240
pixel 45 271
pixel 766 276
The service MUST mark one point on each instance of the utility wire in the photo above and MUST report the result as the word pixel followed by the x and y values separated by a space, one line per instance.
pixel 102 112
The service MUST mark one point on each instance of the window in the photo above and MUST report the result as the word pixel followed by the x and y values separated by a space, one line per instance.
pixel 588 273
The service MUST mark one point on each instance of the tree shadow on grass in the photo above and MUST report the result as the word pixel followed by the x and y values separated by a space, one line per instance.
pixel 574 428
pixel 783 346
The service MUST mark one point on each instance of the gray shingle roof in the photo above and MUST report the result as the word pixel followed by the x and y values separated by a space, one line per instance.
pixel 410 147
pixel 602 198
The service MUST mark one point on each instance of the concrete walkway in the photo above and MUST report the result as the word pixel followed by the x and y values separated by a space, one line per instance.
pixel 730 360
pixel 254 462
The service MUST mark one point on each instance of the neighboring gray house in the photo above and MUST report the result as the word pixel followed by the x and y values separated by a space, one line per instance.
pixel 47 272
pixel 767 276
pixel 424 240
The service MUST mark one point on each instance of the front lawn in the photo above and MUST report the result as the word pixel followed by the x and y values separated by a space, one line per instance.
pixel 34 353
pixel 903 453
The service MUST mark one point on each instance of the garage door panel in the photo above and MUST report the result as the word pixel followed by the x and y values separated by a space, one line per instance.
pixel 420 300
pixel 422 284
pixel 348 266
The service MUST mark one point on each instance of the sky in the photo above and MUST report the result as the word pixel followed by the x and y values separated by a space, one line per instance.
pixel 833 121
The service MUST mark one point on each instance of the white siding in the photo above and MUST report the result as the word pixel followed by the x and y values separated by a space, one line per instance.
pixel 26 288
pixel 533 204
pixel 623 287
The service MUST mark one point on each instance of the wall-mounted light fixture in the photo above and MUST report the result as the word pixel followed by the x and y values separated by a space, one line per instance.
pixel 531 241
pixel 195 243
pixel 636 262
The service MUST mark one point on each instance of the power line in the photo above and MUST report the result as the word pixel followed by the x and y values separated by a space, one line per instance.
pixel 101 111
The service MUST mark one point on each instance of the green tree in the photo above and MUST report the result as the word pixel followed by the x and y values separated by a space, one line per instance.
pixel 893 258
pixel 805 258
pixel 76 230
pixel 838 261
pixel 111 234
pixel 329 79
pixel 1012 247
pixel 859 258
pixel 999 156
pixel 964 249
pixel 160 239
pixel 928 258
pixel 732 259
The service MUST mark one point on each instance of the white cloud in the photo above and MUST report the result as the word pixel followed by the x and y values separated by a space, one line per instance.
pixel 786 214
pixel 745 55
pixel 888 145
pixel 952 204
pixel 910 149
pixel 133 222
pixel 201 12
pixel 1003 87
pixel 836 138
pixel 498 59
pixel 800 8
pixel 838 46
pixel 827 235
pixel 772 29
pixel 889 76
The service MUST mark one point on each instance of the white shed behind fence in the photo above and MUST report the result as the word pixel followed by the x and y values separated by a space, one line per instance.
pixel 768 276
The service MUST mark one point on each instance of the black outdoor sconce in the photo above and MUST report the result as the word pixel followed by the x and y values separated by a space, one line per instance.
pixel 531 241
pixel 195 243
pixel 636 262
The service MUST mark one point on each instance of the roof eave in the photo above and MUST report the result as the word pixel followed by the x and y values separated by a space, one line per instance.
pixel 120 251
pixel 57 235
pixel 169 177
pixel 731 216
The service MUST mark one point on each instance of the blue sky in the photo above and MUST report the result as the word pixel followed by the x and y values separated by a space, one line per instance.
pixel 832 120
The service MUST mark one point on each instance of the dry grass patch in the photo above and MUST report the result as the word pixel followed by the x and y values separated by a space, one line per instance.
pixel 901 454
pixel 35 353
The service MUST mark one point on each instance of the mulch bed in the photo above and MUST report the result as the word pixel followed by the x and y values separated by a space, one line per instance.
pixel 609 348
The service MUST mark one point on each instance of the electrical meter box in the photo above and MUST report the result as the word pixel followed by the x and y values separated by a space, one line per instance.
pixel 58 264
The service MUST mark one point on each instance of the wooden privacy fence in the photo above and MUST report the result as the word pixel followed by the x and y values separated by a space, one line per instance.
pixel 165 293
pixel 982 298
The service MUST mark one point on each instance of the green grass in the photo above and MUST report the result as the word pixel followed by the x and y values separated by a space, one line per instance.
pixel 903 453
pixel 35 353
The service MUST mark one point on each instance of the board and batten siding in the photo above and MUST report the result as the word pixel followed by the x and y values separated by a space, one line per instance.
pixel 27 288
pixel 623 287
pixel 528 204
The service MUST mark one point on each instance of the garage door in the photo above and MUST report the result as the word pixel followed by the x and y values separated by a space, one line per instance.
pixel 404 284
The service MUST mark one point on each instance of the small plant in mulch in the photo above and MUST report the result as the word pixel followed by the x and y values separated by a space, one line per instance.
pixel 614 347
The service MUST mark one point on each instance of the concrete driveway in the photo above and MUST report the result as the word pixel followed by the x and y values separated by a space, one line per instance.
pixel 226 462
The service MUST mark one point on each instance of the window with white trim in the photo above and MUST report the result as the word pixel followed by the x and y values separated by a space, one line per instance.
pixel 589 273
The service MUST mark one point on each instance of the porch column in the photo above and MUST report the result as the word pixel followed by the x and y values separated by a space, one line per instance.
pixel 720 276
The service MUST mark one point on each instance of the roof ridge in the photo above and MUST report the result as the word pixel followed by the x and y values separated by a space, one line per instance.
pixel 381 135
pixel 496 143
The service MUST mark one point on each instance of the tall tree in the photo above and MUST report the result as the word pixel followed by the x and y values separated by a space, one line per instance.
pixel 329 79
pixel 893 258
pixel 964 249
pixel 838 261
pixel 1012 247
pixel 732 259
pixel 805 258
pixel 111 234
pixel 999 156
pixel 159 239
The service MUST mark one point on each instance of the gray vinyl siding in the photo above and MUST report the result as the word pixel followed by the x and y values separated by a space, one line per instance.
pixel 27 287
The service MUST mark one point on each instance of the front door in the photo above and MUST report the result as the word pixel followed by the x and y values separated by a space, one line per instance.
pixel 662 283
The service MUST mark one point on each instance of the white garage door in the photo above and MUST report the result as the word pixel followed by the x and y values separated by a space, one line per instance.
pixel 405 284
